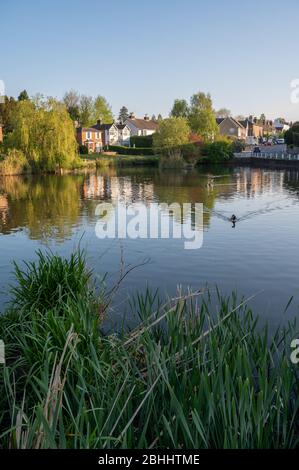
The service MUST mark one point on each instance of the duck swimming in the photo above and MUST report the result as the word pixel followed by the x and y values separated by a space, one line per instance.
pixel 233 220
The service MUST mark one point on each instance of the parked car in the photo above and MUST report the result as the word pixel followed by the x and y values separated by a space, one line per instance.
pixel 280 141
pixel 256 150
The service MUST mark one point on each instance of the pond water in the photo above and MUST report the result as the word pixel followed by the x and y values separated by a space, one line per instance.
pixel 259 256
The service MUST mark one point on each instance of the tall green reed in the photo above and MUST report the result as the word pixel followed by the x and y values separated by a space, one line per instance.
pixel 183 378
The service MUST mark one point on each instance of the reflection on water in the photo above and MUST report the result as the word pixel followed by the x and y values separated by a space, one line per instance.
pixel 261 253
pixel 47 207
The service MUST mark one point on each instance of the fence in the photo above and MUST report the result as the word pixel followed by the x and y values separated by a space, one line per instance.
pixel 268 156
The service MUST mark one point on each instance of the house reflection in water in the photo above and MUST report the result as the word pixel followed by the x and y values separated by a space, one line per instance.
pixel 3 208
pixel 256 181
pixel 116 188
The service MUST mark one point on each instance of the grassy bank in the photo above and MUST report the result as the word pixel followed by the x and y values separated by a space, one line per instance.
pixel 16 164
pixel 182 379
pixel 102 160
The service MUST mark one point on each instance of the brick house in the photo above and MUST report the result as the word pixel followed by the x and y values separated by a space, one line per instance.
pixel 248 130
pixel 90 138
pixel 1 134
pixel 230 127
pixel 255 130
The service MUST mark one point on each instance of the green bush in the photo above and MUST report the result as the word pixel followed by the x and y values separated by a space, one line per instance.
pixel 131 150
pixel 142 141
pixel 291 136
pixel 14 163
pixel 218 151
pixel 296 139
pixel 190 152
pixel 238 146
pixel 83 150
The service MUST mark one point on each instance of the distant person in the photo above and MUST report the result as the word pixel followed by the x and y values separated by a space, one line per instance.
pixel 256 150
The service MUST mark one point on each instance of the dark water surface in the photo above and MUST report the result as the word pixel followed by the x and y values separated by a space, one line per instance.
pixel 260 254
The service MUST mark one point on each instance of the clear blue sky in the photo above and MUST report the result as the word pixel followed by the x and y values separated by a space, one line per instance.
pixel 144 54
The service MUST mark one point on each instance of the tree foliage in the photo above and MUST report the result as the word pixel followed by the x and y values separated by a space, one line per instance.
pixel 292 135
pixel 216 152
pixel 71 100
pixel 171 135
pixel 180 109
pixel 199 113
pixel 202 118
pixel 86 109
pixel 123 114
pixel 6 113
pixel 44 133
pixel 223 113
pixel 23 96
pixel 102 110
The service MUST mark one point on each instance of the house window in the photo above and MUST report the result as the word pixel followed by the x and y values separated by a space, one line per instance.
pixel 88 135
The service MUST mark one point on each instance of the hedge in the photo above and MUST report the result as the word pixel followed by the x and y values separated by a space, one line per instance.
pixel 131 150
pixel 141 141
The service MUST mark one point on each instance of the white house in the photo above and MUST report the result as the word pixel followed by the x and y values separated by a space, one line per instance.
pixel 145 126
pixel 124 134
pixel 114 134
pixel 280 126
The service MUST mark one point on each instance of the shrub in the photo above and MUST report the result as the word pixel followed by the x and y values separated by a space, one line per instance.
pixel 292 135
pixel 196 139
pixel 218 151
pixel 15 163
pixel 141 141
pixel 175 161
pixel 237 146
pixel 191 152
pixel 83 150
pixel 131 150
pixel 296 139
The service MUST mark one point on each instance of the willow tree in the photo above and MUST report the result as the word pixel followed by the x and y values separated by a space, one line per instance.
pixel 45 133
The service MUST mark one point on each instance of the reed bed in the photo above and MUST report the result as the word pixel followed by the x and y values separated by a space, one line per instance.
pixel 185 377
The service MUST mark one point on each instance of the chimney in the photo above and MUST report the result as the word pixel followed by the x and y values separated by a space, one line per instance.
pixel 132 116
pixel 146 117
pixel 99 122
